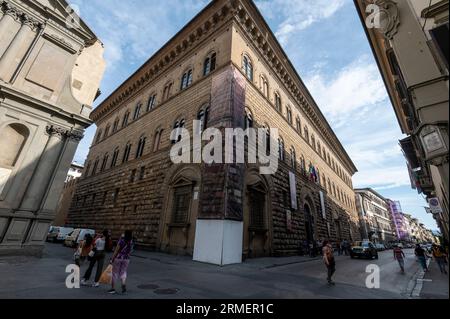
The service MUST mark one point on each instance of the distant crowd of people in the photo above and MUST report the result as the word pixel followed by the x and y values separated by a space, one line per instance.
pixel 94 251
pixel 315 248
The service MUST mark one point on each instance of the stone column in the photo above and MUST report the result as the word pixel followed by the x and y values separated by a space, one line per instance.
pixel 10 16
pixel 17 49
pixel 43 173
pixel 56 185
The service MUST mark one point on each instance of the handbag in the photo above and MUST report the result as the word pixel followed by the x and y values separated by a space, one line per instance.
pixel 106 277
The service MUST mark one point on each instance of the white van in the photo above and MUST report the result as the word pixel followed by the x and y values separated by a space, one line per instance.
pixel 74 238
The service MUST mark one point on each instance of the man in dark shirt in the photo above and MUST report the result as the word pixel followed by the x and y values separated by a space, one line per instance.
pixel 422 257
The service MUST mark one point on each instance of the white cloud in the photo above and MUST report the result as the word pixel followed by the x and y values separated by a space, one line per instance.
pixel 135 29
pixel 298 14
pixel 357 88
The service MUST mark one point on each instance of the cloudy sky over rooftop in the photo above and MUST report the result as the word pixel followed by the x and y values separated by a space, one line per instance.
pixel 326 43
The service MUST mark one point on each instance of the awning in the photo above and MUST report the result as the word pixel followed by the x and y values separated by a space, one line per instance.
pixel 410 152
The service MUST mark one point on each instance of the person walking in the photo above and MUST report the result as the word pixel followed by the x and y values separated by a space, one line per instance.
pixel 330 262
pixel 422 257
pixel 440 257
pixel 83 250
pixel 97 257
pixel 399 255
pixel 120 261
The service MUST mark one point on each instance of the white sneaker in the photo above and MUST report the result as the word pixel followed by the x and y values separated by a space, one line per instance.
pixel 96 285
pixel 84 282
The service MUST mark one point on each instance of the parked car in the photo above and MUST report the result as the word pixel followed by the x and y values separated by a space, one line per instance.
pixel 364 249
pixel 74 238
pixel 58 234
pixel 380 247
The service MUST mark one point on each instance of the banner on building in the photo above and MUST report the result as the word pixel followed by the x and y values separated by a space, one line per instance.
pixel 435 206
pixel 293 187
pixel 322 205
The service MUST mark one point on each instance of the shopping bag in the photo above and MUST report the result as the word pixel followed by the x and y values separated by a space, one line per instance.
pixel 106 276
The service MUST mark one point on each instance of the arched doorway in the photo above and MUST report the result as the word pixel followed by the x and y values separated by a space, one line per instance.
pixel 257 217
pixel 309 224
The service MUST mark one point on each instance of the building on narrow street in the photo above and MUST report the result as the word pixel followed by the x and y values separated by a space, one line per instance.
pixel 376 220
pixel 226 69
pixel 400 225
pixel 409 39
pixel 50 71
pixel 65 200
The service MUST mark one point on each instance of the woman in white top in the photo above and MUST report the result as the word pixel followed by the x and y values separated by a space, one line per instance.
pixel 97 256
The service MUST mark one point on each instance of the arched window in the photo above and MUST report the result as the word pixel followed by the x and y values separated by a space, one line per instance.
pixel 278 105
pixel 125 119
pixel 105 162
pixel 319 181
pixel 88 168
pixel 289 114
pixel 151 102
pixel 137 111
pixel 306 131
pixel 94 169
pixel 303 164
pixel 141 147
pixel 247 67
pixel 126 153
pixel 281 154
pixel 203 116
pixel 264 84
pixel 99 136
pixel 298 125
pixel 210 64
pixel 186 79
pixel 293 158
pixel 329 187
pixel 108 127
pixel 115 157
pixel 177 128
pixel 12 140
pixel 115 125
pixel 157 140
pixel 167 91
pixel 268 139
pixel 319 148
pixel 313 142
pixel 248 122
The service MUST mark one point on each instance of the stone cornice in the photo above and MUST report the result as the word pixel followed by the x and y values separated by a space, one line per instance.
pixel 7 91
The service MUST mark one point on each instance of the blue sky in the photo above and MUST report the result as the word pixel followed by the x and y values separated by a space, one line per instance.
pixel 326 43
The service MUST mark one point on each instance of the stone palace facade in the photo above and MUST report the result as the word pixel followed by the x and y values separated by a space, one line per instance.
pixel 226 69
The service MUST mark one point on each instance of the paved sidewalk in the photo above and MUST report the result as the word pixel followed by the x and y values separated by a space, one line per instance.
pixel 161 276
pixel 435 284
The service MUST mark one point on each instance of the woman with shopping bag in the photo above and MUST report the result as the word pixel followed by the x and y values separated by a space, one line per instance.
pixel 83 250
pixel 120 261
